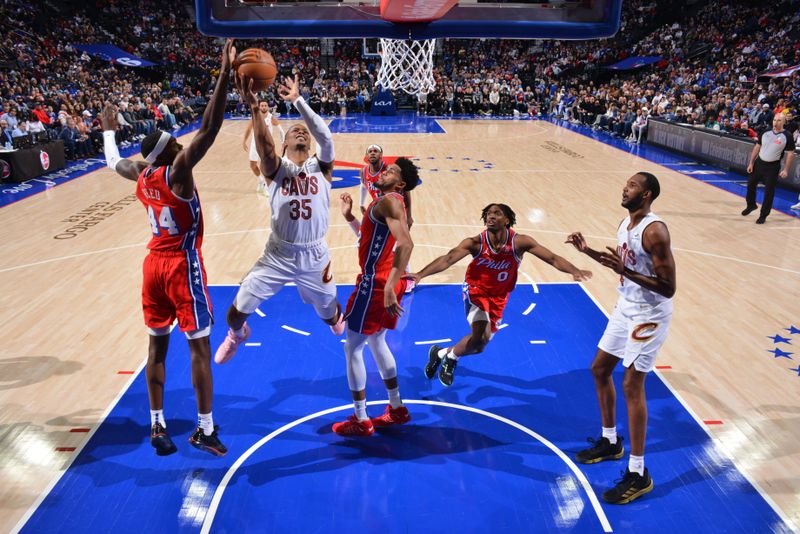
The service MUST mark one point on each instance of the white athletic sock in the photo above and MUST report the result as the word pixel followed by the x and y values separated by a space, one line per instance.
pixel 238 333
pixel 361 409
pixel 442 353
pixel 610 434
pixel 636 464
pixel 157 416
pixel 452 355
pixel 394 397
pixel 206 422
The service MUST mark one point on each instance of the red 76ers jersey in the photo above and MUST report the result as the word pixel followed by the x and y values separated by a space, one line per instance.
pixel 176 223
pixel 370 179
pixel 494 272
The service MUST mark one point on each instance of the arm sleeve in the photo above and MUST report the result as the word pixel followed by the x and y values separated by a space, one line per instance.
pixel 318 128
pixel 364 195
pixel 281 133
pixel 111 150
pixel 355 226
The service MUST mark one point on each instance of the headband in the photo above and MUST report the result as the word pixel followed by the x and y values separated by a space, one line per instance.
pixel 375 146
pixel 159 148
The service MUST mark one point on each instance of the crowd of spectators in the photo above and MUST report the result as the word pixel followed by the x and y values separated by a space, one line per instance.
pixel 712 56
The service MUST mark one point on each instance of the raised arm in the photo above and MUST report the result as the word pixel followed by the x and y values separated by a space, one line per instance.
pixel 525 243
pixel 265 145
pixel 181 175
pixel 390 210
pixel 289 90
pixel 362 191
pixel 470 245
pixel 124 167
pixel 347 212
pixel 247 131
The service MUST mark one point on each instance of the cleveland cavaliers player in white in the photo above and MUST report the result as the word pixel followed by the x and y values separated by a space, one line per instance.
pixel 299 186
pixel 635 332
pixel 250 147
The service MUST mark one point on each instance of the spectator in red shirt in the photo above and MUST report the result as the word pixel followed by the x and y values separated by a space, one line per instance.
pixel 41 114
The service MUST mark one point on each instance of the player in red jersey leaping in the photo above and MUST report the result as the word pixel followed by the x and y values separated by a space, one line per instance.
pixel 174 284
pixel 374 306
pixel 491 276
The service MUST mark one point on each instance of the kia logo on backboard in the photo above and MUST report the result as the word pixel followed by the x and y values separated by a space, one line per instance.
pixel 5 170
pixel 44 158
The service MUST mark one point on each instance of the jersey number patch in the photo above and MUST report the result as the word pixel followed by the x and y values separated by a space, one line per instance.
pixel 300 209
pixel 162 221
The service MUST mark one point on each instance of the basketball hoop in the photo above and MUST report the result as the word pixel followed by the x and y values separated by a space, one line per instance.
pixel 407 65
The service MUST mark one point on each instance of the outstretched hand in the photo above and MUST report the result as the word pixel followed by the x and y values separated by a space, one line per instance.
pixel 414 277
pixel 577 240
pixel 581 275
pixel 245 86
pixel 228 55
pixel 108 118
pixel 289 90
pixel 347 205
pixel 612 260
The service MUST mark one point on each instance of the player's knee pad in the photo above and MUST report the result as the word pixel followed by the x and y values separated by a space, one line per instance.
pixel 354 354
pixel 199 333
pixel 384 359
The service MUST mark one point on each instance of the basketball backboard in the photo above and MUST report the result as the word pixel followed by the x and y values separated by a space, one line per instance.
pixel 554 19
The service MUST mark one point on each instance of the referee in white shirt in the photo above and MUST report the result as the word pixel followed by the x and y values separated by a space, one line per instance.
pixel 765 164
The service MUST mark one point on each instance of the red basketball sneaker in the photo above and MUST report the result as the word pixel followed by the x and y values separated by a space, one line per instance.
pixel 354 427
pixel 392 416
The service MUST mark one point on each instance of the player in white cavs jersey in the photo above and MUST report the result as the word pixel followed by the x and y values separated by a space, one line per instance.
pixel 272 122
pixel 635 332
pixel 299 186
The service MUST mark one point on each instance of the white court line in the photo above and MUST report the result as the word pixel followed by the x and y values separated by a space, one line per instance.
pixel 501 326
pixel 255 344
pixel 260 313
pixel 530 280
pixel 529 309
pixel 432 341
pixel 295 330
pixel 538 342
pixel 354 245
pixel 77 451
pixel 717 443
pixel 215 500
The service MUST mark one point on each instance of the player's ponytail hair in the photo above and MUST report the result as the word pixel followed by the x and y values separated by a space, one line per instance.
pixel 507 211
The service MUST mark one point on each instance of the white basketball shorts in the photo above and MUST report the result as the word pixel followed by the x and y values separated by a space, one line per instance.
pixel 307 266
pixel 635 333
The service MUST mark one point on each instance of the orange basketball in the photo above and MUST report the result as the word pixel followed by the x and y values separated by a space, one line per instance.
pixel 258 65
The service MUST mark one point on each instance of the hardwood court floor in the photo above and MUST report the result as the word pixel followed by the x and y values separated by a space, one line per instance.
pixel 71 269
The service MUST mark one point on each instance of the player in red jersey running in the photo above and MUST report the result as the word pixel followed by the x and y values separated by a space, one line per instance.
pixel 384 248
pixel 174 284
pixel 369 176
pixel 491 277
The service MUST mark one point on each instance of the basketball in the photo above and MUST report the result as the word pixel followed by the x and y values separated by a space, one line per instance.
pixel 258 65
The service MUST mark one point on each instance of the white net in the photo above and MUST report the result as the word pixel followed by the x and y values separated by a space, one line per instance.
pixel 407 65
